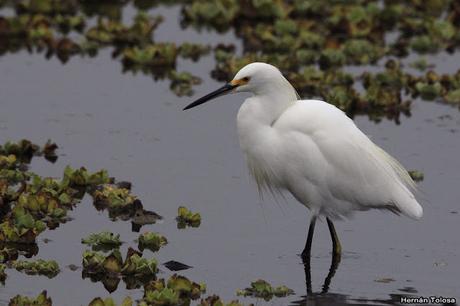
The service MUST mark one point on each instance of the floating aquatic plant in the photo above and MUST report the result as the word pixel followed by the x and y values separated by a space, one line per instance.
pixel 134 263
pixel 41 300
pixel 49 268
pixel 109 302
pixel 416 175
pixel 152 55
pixel 8 253
pixel 82 178
pixel 113 197
pixel 215 300
pixel 182 82
pixel 336 34
pixel 2 273
pixel 21 228
pixel 102 241
pixel 187 218
pixel 152 241
pixel 193 51
pixel 110 269
pixel 263 289
pixel 177 290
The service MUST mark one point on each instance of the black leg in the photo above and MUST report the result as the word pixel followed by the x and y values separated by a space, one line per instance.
pixel 334 265
pixel 306 253
pixel 307 270
pixel 336 247
pixel 336 256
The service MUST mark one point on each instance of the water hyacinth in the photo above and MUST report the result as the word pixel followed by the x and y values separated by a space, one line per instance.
pixel 30 203
pixel 21 228
pixel 102 241
pixel 84 179
pixel 177 290
pixel 109 302
pixel 2 273
pixel 416 175
pixel 336 34
pixel 262 289
pixel 41 300
pixel 152 241
pixel 134 264
pixel 49 268
pixel 187 218
pixel 153 55
pixel 113 197
pixel 7 253
pixel 215 300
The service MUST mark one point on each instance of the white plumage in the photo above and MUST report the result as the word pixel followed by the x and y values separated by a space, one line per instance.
pixel 313 150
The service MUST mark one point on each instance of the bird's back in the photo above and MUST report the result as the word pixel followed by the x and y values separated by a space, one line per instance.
pixel 334 168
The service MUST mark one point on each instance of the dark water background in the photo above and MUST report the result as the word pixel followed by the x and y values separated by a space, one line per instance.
pixel 134 127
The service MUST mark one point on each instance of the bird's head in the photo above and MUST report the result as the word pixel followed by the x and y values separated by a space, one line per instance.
pixel 256 78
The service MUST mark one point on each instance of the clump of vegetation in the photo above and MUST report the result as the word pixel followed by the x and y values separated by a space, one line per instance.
pixel 263 289
pixel 215 300
pixel 187 218
pixel 109 302
pixel 31 203
pixel 337 34
pixel 2 273
pixel 49 268
pixel 134 263
pixel 416 175
pixel 152 241
pixel 21 227
pixel 109 269
pixel 24 150
pixel 7 253
pixel 121 204
pixel 177 290
pixel 41 300
pixel 102 241
pixel 193 51
pixel 113 197
pixel 182 82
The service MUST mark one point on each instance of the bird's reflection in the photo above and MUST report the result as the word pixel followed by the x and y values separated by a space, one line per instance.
pixel 325 298
pixel 336 257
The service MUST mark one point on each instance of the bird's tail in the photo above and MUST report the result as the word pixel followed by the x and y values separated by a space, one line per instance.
pixel 404 198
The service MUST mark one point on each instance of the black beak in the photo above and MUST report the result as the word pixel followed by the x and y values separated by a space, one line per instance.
pixel 217 93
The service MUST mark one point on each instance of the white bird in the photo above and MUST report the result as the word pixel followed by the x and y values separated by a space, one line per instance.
pixel 313 150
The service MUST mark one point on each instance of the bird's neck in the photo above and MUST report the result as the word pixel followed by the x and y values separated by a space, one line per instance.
pixel 265 108
pixel 257 116
pixel 256 132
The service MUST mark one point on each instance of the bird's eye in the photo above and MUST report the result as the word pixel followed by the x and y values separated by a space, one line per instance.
pixel 246 79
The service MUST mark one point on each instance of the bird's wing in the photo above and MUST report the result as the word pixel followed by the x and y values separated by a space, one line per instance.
pixel 343 162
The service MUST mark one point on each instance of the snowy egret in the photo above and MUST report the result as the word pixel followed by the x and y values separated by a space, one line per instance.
pixel 313 150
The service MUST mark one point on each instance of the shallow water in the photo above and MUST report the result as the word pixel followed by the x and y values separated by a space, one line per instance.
pixel 134 127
